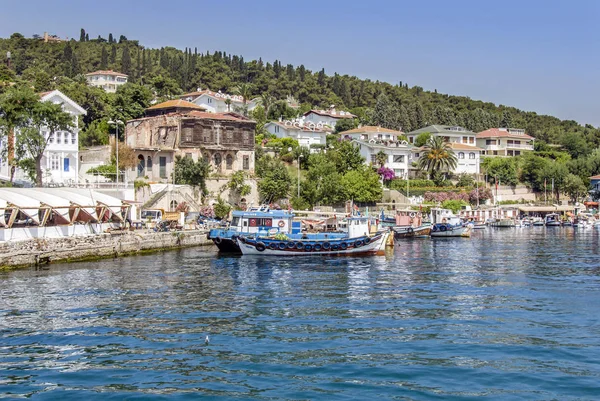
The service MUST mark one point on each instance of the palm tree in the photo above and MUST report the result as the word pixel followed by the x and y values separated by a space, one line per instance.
pixel 437 156
pixel 266 101
pixel 228 103
pixel 381 157
pixel 244 90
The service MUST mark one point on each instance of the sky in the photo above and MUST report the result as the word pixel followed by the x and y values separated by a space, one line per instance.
pixel 536 55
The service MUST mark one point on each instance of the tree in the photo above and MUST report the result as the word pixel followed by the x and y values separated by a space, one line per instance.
pixel 422 139
pixel 347 157
pixel 113 54
pixel 126 61
pixel 16 105
pixel 507 120
pixel 437 156
pixel 110 38
pixel 244 90
pixel 502 169
pixel 32 142
pixel 344 124
pixel 82 35
pixel 104 59
pixel 130 101
pixel 266 101
pixel 275 184
pixel 188 172
pixel 381 158
pixel 362 185
pixel 165 87
pixel 574 187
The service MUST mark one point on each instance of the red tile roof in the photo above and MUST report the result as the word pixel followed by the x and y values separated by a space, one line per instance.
pixel 330 113
pixel 176 103
pixel 462 146
pixel 215 95
pixel 371 129
pixel 501 133
pixel 107 72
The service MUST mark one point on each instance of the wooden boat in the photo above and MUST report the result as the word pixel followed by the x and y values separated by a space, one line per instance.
pixel 409 224
pixel 401 232
pixel 353 244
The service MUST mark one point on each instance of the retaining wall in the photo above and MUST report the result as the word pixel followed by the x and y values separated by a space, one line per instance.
pixel 33 252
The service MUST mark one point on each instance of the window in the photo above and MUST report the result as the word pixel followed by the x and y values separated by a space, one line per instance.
pixel 373 158
pixel 173 205
pixel 246 163
pixel 217 160
pixel 205 157
pixel 472 139
pixel 58 137
pixel 141 166
pixel 490 141
pixel 162 161
pixel 54 162
pixel 229 162
pixel 399 159
pixel 416 155
pixel 471 155
pixel 461 155
pixel 209 100
pixel 73 138
pixel 149 164
pixel 255 222
pixel 51 138
pixel 465 139
pixel 277 129
pixel 189 155
pixel 411 139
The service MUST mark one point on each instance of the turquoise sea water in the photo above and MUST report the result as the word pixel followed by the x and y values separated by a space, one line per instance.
pixel 509 314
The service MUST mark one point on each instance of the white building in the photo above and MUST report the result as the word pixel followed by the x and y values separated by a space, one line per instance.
pixel 61 157
pixel 398 154
pixel 107 80
pixel 504 142
pixel 328 117
pixel 368 133
pixel 462 142
pixel 216 102
pixel 306 134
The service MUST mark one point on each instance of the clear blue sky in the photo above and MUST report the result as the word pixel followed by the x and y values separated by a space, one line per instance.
pixel 537 55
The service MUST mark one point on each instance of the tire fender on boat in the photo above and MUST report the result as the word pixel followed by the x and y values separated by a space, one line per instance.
pixel 282 245
pixel 443 228
pixel 326 245
pixel 217 240
pixel 299 245
pixel 410 230
pixel 308 247
pixel 260 246
pixel 358 244
pixel 317 247
pixel 343 245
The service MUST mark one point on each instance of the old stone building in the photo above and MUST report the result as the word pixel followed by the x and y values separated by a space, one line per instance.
pixel 182 128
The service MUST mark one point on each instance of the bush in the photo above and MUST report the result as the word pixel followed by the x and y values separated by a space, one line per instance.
pixel 454 204
pixel 400 184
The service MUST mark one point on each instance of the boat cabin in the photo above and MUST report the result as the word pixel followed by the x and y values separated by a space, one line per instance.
pixel 358 226
pixel 261 220
pixel 409 218
pixel 444 216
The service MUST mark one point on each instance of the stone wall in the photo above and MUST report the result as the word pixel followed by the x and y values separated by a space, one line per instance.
pixel 119 243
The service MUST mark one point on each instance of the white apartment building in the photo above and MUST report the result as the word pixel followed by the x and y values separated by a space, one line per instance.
pixel 306 134
pixel 398 154
pixel 504 142
pixel 107 80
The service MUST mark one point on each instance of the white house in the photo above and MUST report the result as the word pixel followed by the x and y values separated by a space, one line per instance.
pixel 306 134
pixel 61 157
pixel 328 117
pixel 107 80
pixel 368 133
pixel 504 141
pixel 216 102
pixel 398 154
pixel 462 142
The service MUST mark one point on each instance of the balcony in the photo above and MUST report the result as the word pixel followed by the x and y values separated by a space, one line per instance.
pixel 518 146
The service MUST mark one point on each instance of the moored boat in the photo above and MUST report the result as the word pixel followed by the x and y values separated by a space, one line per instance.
pixel 552 220
pixel 409 224
pixel 447 224
pixel 358 242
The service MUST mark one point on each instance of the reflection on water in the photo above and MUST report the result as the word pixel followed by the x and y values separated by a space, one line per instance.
pixel 508 314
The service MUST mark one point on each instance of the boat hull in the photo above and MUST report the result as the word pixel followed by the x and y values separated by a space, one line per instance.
pixel 342 247
pixel 445 231
pixel 402 232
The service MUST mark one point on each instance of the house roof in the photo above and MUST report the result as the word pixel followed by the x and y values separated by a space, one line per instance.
pixel 214 95
pixel 398 146
pixel 371 129
pixel 462 146
pixel 304 128
pixel 442 129
pixel 332 114
pixel 199 114
pixel 107 72
pixel 501 133
pixel 180 103
pixel 45 96
pixel 595 177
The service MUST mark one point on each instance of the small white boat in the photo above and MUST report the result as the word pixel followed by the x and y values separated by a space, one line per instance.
pixel 552 220
pixel 447 224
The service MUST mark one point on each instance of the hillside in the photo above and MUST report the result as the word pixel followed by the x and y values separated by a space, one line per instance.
pixel 171 71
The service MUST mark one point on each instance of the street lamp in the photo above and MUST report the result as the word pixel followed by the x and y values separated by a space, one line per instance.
pixel 300 156
pixel 116 124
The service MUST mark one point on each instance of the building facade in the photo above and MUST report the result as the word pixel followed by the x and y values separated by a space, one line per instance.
pixel 328 117
pixel 217 102
pixel 398 155
pixel 371 133
pixel 61 156
pixel 504 142
pixel 225 140
pixel 306 134
pixel 107 80
pixel 462 142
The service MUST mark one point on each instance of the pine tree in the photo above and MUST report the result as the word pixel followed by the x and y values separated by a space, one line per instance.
pixel 104 59
pixel 126 61
pixel 507 120
pixel 75 68
pixel 113 54
pixel 82 35
pixel 110 38
pixel 87 37
pixel 419 116
pixel 67 59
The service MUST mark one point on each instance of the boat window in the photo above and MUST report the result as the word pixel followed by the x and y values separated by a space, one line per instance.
pixel 235 221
